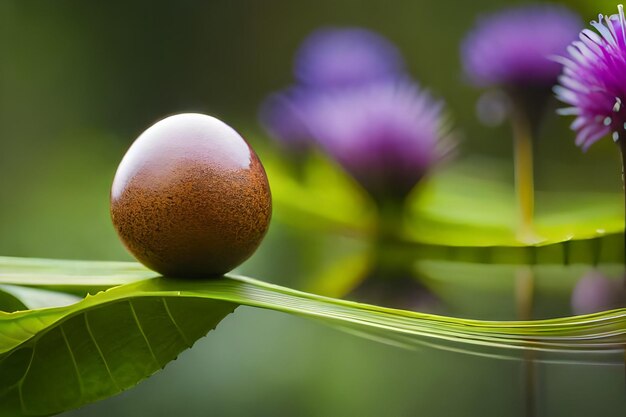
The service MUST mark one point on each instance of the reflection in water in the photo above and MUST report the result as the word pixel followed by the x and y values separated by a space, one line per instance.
pixel 533 382
pixel 391 280
pixel 392 276
pixel 513 292
pixel 524 297
pixel 524 292
pixel 415 330
pixel 594 292
pixel 403 292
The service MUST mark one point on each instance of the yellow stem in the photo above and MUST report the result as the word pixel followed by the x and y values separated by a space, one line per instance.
pixel 524 183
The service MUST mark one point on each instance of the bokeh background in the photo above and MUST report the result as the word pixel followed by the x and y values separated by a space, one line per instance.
pixel 79 81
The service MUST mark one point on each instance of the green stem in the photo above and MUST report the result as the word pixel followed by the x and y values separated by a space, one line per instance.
pixel 297 163
pixel 524 182
pixel 525 280
pixel 622 147
pixel 390 219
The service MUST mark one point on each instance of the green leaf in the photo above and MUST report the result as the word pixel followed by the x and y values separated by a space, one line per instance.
pixel 459 207
pixel 9 302
pixel 33 298
pixel 79 277
pixel 469 204
pixel 314 199
pixel 55 359
pixel 341 277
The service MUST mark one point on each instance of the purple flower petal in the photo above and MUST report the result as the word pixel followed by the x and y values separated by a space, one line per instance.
pixel 386 135
pixel 593 80
pixel 339 57
pixel 283 116
pixel 513 47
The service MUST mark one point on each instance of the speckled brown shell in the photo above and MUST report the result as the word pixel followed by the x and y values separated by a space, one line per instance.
pixel 191 198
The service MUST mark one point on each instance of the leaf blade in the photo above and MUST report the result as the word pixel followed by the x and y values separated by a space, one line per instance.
pixel 110 341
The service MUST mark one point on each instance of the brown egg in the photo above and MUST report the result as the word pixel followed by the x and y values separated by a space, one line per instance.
pixel 191 198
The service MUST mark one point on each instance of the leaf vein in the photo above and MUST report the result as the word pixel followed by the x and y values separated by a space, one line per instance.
pixel 21 381
pixel 69 349
pixel 175 323
pixel 132 309
pixel 95 342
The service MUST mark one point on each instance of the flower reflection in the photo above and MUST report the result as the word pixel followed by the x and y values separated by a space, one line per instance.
pixel 393 281
pixel 401 292
pixel 594 292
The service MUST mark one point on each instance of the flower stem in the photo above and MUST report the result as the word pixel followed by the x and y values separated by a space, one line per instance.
pixel 390 219
pixel 524 182
pixel 297 163
pixel 622 147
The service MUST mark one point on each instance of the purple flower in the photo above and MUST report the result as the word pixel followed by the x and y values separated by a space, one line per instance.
pixel 594 80
pixel 329 59
pixel 513 47
pixel 283 115
pixel 386 135
pixel 339 57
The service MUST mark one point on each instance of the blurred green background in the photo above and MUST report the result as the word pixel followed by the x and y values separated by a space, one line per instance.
pixel 79 81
